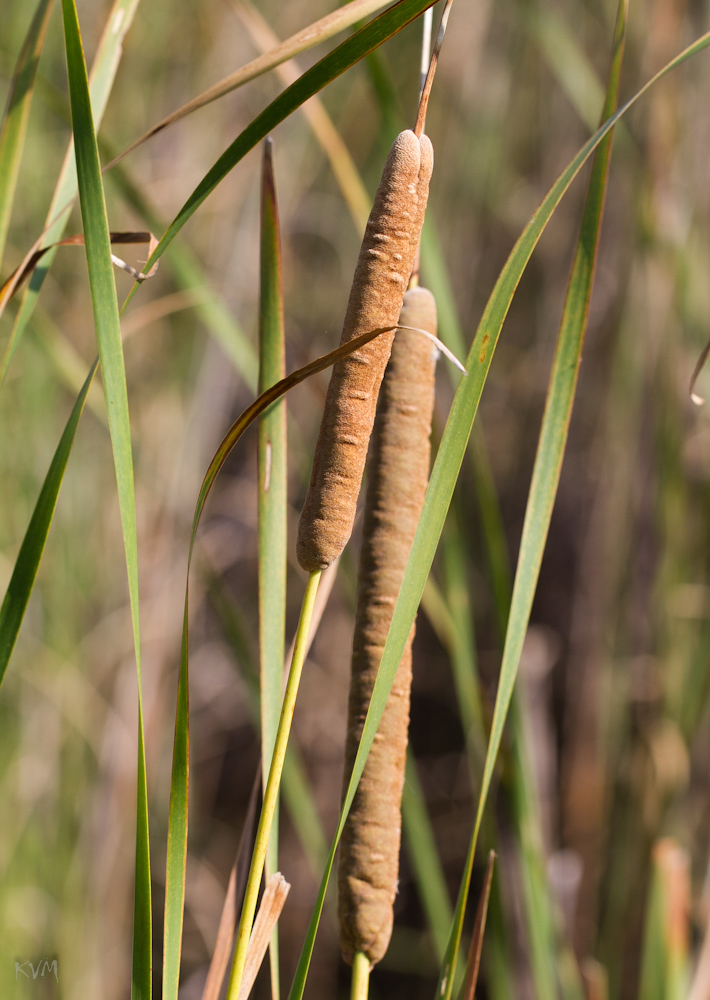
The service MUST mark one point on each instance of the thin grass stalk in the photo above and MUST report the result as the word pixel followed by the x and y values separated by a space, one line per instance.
pixel 272 789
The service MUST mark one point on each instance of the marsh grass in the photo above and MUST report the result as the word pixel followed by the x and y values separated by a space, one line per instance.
pixel 598 785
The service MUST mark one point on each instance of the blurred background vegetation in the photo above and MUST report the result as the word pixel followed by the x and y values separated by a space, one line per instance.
pixel 612 719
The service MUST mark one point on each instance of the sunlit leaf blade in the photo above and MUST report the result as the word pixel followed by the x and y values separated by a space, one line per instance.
pixel 103 72
pixel 177 832
pixel 28 559
pixel 445 472
pixel 108 333
pixel 324 72
pixel 272 502
pixel 316 33
pixel 548 463
pixel 17 111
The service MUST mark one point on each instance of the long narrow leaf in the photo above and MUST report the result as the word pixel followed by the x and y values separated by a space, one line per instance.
pixel 103 73
pixel 17 111
pixel 546 472
pixel 445 473
pixel 27 563
pixel 108 334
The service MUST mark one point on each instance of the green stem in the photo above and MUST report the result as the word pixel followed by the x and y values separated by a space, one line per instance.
pixel 272 788
pixel 361 976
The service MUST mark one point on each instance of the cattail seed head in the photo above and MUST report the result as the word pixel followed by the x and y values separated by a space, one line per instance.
pixel 399 471
pixel 381 275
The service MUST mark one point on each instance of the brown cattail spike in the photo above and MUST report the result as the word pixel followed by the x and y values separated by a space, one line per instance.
pixel 381 276
pixel 399 471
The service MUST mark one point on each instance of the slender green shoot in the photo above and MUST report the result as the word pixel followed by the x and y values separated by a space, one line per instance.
pixel 272 788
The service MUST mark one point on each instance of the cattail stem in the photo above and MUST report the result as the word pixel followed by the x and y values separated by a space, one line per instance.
pixel 360 982
pixel 272 787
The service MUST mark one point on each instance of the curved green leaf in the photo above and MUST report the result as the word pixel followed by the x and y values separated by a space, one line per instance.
pixel 28 559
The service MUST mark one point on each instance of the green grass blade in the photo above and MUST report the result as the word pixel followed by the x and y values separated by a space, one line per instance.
pixel 108 333
pixel 272 504
pixel 315 79
pixel 17 111
pixel 28 559
pixel 546 472
pixel 444 475
pixel 424 858
pixel 176 858
pixel 103 73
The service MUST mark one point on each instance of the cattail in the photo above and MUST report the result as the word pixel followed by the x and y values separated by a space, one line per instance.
pixel 381 277
pixel 399 471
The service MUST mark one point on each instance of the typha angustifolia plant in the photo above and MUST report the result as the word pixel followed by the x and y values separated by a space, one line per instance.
pixel 384 267
pixel 29 556
pixel 398 472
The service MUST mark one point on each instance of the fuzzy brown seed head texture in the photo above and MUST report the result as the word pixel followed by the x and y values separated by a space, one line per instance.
pixel 399 471
pixel 381 276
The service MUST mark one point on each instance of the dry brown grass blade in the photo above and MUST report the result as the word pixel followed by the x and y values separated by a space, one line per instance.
pixel 35 255
pixel 272 903
pixel 314 34
pixel 474 953
pixel 341 162
pixel 426 89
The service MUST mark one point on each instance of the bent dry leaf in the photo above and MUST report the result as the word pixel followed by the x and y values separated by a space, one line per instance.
pixel 445 473
pixel 28 266
pixel 108 334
